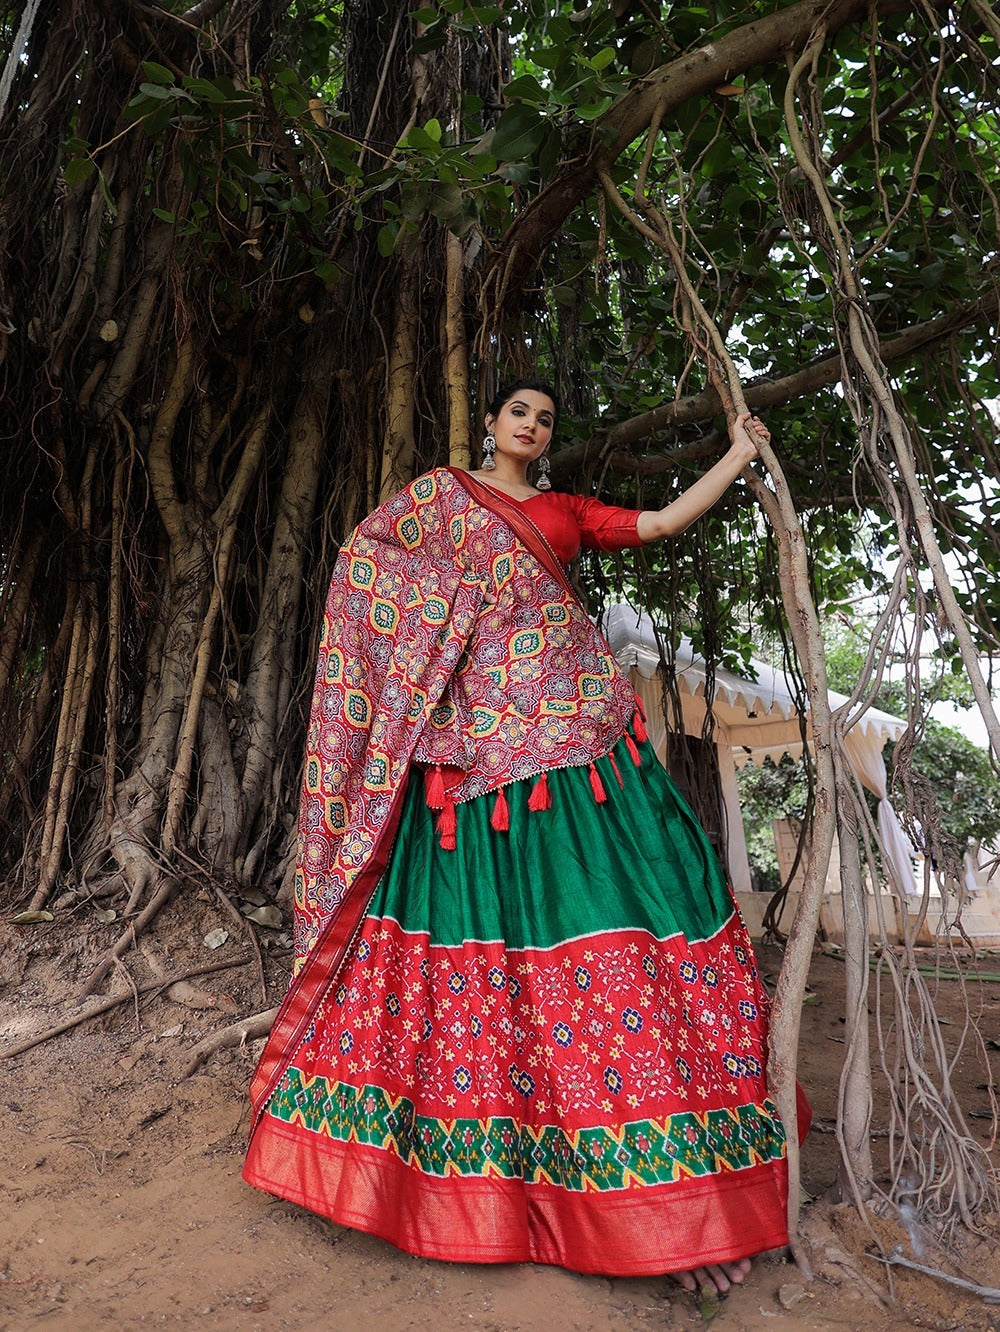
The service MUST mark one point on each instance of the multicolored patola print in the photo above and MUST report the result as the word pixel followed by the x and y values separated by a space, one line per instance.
pixel 598 1063
pixel 642 1152
pixel 445 641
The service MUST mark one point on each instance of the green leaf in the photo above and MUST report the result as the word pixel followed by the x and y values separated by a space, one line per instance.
pixel 328 272
pixel 447 202
pixel 157 73
pixel 141 107
pixel 78 170
pixel 526 89
pixel 642 56
pixel 419 138
pixel 386 239
pixel 718 159
pixel 204 89
pixel 432 39
pixel 159 119
pixel 595 109
pixel 243 161
pixel 164 215
pixel 549 150
pixel 415 201
pixel 517 134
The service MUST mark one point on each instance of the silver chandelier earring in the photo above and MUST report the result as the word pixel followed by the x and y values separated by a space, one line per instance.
pixel 543 482
pixel 489 449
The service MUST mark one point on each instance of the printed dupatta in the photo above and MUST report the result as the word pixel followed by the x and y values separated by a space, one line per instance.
pixel 452 637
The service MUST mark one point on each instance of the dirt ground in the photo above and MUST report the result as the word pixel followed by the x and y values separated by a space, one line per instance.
pixel 121 1200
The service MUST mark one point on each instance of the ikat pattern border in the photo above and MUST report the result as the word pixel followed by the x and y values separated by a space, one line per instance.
pixel 602 1158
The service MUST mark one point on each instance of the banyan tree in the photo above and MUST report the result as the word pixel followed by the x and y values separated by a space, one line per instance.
pixel 261 263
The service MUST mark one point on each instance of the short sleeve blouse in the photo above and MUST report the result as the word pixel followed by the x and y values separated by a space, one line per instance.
pixel 570 521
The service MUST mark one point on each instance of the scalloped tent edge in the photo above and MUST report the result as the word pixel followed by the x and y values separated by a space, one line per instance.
pixel 633 640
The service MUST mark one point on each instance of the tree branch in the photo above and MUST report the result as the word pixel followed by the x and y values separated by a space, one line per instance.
pixel 614 441
pixel 696 72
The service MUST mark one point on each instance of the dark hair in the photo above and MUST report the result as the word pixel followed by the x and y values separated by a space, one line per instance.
pixel 508 391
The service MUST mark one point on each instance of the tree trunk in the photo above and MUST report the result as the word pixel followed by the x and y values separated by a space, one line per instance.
pixel 267 696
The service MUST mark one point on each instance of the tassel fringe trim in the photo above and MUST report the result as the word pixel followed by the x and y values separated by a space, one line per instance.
pixel 500 820
pixel 434 788
pixel 437 797
pixel 540 797
pixel 447 826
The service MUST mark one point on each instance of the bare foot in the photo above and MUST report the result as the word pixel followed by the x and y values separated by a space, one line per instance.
pixel 717 1277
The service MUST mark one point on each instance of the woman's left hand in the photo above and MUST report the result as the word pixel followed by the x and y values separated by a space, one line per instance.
pixel 746 432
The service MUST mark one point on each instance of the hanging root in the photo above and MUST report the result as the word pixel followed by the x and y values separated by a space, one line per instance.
pixel 938 1170
pixel 988 1294
pixel 803 620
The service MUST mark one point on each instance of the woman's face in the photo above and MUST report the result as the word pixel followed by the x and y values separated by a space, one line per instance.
pixel 524 425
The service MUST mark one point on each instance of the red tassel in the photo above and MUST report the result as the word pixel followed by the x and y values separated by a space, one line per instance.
pixel 500 819
pixel 447 825
pixel 540 798
pixel 434 787
pixel 617 773
pixel 633 751
pixel 639 727
pixel 597 786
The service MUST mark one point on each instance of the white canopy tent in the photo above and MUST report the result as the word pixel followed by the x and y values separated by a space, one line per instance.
pixel 754 720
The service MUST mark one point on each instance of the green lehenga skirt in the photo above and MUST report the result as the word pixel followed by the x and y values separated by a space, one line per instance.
pixel 547 1044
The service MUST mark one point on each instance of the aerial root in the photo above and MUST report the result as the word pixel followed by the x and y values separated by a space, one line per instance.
pixel 988 1294
pixel 237 1033
pixel 127 939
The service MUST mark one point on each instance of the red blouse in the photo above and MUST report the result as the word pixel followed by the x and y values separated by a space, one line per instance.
pixel 570 521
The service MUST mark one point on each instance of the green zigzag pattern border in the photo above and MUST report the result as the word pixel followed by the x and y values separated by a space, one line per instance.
pixel 689 1144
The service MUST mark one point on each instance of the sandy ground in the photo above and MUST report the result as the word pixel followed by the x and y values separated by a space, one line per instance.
pixel 122 1201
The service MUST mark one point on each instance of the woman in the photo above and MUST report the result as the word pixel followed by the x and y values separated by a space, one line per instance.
pixel 526 1023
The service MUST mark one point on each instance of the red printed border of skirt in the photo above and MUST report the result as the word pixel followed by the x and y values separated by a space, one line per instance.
pixel 642 1231
pixel 321 967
